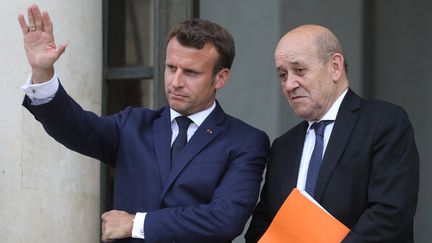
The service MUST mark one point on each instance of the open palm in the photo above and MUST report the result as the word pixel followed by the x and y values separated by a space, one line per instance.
pixel 39 44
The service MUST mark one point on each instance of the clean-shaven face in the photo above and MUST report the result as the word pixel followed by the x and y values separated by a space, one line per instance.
pixel 305 80
pixel 189 78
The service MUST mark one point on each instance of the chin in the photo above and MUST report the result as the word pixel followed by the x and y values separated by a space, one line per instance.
pixel 180 109
pixel 304 115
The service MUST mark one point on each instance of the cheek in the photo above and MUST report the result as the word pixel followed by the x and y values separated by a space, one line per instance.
pixel 169 77
pixel 287 95
pixel 166 79
pixel 315 99
pixel 200 87
pixel 283 88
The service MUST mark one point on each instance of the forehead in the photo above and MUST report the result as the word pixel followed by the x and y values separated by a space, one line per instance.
pixel 295 57
pixel 178 54
pixel 294 49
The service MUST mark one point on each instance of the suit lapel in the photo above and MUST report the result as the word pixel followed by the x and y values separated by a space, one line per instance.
pixel 162 142
pixel 294 149
pixel 204 135
pixel 344 124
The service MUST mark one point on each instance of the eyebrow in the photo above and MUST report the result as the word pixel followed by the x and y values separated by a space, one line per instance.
pixel 279 68
pixel 295 63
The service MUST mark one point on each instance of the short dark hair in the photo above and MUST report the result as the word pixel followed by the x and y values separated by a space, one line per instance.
pixel 198 32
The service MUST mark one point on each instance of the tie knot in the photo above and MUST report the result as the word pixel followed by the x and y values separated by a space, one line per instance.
pixel 183 122
pixel 319 126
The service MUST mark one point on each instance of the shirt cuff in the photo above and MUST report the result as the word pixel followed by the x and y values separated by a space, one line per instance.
pixel 43 92
pixel 138 226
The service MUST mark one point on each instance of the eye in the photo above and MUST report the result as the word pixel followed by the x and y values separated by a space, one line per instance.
pixel 191 72
pixel 283 76
pixel 299 71
pixel 171 67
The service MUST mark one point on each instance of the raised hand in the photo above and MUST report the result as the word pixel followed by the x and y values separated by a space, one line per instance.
pixel 39 44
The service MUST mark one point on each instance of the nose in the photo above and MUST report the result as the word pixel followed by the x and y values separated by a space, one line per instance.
pixel 290 84
pixel 177 80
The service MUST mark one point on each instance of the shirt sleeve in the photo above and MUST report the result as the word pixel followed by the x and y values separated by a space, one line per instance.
pixel 138 226
pixel 41 93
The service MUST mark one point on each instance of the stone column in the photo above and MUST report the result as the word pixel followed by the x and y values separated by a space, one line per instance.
pixel 49 193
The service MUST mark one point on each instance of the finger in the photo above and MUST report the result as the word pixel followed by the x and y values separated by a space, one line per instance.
pixel 38 18
pixel 106 238
pixel 47 22
pixel 103 227
pixel 104 234
pixel 30 17
pixel 23 24
pixel 104 215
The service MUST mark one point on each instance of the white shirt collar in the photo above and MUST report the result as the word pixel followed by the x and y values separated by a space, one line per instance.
pixel 332 112
pixel 197 118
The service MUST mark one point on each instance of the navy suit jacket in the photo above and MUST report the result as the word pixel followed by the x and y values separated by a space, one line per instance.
pixel 368 178
pixel 209 193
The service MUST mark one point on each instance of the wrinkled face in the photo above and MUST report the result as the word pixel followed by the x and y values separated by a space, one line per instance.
pixel 190 85
pixel 306 81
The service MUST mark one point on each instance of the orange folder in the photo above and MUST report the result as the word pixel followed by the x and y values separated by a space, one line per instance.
pixel 301 220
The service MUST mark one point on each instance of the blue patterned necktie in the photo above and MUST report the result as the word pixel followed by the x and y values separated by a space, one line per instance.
pixel 317 155
pixel 181 139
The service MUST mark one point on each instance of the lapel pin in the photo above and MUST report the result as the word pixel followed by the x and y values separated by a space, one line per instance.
pixel 209 130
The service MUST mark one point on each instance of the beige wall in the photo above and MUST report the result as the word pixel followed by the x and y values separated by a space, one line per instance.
pixel 48 193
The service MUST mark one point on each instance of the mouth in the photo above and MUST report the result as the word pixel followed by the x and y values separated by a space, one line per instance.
pixel 177 96
pixel 297 98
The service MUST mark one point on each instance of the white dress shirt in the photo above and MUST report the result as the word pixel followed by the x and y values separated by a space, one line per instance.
pixel 310 141
pixel 197 119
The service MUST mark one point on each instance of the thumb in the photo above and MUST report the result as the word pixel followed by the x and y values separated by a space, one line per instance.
pixel 61 49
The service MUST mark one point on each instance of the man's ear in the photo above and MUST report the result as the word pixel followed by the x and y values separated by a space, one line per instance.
pixel 337 66
pixel 221 78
